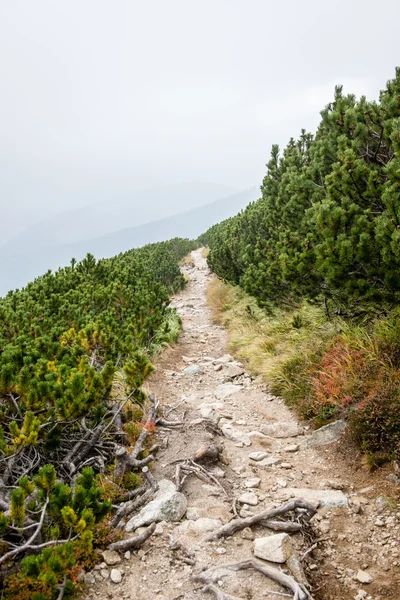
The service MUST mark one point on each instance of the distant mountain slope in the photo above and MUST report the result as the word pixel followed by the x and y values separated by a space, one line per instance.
pixel 102 218
pixel 17 270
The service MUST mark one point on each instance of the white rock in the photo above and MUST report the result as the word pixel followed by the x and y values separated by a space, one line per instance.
pixel 193 370
pixel 270 461
pixel 292 448
pixel 232 371
pixel 257 456
pixel 254 482
pixel 116 576
pixel 222 360
pixel 274 548
pixel 284 429
pixel 210 414
pixel 111 557
pixel 235 434
pixel 364 576
pixel 361 595
pixel 227 389
pixel 168 505
pixel 317 497
pixel 203 525
pixel 248 498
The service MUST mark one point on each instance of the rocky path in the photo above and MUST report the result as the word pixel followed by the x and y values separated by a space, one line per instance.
pixel 267 457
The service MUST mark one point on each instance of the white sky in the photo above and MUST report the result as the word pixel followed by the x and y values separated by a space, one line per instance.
pixel 100 97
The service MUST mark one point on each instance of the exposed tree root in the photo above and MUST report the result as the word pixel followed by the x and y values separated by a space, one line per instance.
pixel 133 542
pixel 265 516
pixel 209 578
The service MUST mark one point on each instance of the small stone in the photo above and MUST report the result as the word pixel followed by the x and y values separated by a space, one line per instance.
pixel 286 465
pixel 203 525
pixel 127 555
pixel 270 461
pixel 235 434
pixel 111 557
pixel 218 367
pixel 292 448
pixel 363 576
pixel 116 576
pixel 379 523
pixel 105 574
pixel 220 550
pixel 392 478
pixel 274 548
pixel 248 498
pixel 193 370
pixel 281 483
pixel 89 579
pixel 257 456
pixel 254 482
pixel 361 595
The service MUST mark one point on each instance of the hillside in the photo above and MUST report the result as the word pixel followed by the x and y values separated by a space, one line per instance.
pixel 16 270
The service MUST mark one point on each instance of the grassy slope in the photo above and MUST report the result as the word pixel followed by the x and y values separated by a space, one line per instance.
pixel 325 368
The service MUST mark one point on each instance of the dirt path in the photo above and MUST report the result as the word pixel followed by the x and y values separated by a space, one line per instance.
pixel 220 403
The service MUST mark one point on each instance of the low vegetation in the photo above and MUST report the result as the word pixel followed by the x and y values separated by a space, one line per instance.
pixel 75 349
pixel 325 368
pixel 319 256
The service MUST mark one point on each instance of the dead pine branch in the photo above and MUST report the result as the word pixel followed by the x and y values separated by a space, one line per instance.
pixel 209 578
pixel 267 515
pixel 133 542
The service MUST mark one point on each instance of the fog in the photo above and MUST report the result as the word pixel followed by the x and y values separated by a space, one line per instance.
pixel 100 98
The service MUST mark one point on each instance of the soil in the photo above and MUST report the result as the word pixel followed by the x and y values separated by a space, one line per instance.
pixel 362 536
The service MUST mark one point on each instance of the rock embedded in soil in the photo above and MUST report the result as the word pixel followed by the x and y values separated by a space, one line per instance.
pixel 236 435
pixel 168 505
pixel 227 389
pixel 326 435
pixel 364 576
pixel 111 557
pixel 285 429
pixel 193 370
pixel 329 498
pixel 222 360
pixel 232 371
pixel 249 498
pixel 254 482
pixel 257 456
pixel 275 548
pixel 116 576
pixel 292 448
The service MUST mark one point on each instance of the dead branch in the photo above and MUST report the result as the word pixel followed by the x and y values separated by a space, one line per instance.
pixel 286 581
pixel 133 542
pixel 267 515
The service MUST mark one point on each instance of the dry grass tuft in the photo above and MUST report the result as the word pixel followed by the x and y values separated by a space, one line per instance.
pixel 205 252
pixel 265 342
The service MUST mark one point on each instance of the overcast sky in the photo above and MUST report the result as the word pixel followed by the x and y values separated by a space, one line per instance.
pixel 100 97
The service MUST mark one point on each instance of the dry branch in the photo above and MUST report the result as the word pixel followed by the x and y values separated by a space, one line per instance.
pixel 266 515
pixel 286 581
pixel 134 542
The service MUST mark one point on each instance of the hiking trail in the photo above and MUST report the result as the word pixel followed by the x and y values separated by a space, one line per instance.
pixel 266 457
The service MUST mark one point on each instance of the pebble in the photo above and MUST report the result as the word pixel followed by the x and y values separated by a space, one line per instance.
pixel 252 483
pixel 364 576
pixel 116 576
pixel 292 448
pixel 257 456
pixel 248 498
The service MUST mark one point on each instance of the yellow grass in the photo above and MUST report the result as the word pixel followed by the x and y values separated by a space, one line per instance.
pixel 265 342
